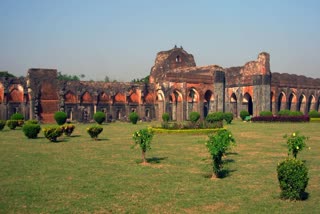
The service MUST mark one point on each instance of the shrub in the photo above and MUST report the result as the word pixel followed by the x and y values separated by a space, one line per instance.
pixel 68 129
pixel 60 117
pixel 244 114
pixel 31 122
pixel 17 116
pixel 194 116
pixel 133 117
pixel 12 124
pixel 293 179
pixel 281 119
pixel 295 113
pixel 2 124
pixel 295 143
pixel 165 117
pixel 94 131
pixel 52 133
pixel 228 117
pixel 314 114
pixel 217 145
pixel 265 114
pixel 143 138
pixel 214 117
pixel 285 112
pixel 99 117
pixel 31 130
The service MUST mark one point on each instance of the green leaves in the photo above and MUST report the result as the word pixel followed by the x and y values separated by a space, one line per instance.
pixel 143 138
pixel 295 143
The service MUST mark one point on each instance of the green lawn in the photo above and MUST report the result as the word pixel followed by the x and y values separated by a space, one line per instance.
pixel 79 175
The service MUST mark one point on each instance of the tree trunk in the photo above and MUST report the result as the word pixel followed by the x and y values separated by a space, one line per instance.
pixel 144 157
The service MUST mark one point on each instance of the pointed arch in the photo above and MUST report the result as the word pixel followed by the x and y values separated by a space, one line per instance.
pixel 208 102
pixel 161 104
pixel 193 101
pixel 104 98
pixel 247 101
pixel 311 103
pixel 282 101
pixel 15 95
pixel 134 98
pixel 70 97
pixel 86 97
pixel 175 108
pixel 233 104
pixel 119 98
pixel 302 103
pixel 292 102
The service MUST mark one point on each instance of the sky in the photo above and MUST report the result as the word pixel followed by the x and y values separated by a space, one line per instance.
pixel 120 39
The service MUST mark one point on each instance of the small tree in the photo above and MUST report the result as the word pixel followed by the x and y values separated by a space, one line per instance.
pixel 218 144
pixel 295 143
pixel 133 117
pixel 143 138
pixel 60 117
pixel 99 117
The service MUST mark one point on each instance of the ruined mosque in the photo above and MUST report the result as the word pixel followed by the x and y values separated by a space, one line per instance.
pixel 176 86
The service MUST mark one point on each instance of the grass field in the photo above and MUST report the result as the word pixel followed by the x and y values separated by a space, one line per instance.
pixel 79 175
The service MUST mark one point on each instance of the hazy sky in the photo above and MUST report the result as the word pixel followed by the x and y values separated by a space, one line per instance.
pixel 120 38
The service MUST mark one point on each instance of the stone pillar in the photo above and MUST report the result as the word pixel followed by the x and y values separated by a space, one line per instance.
pixel 261 93
pixel 219 88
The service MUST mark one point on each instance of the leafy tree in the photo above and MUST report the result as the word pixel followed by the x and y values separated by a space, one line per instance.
pixel 143 138
pixel 6 74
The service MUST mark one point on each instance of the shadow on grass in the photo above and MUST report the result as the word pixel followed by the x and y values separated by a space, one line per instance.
pixel 232 153
pixel 72 136
pixel 223 174
pixel 153 160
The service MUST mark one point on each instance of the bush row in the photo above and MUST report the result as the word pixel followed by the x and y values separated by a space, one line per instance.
pixel 302 118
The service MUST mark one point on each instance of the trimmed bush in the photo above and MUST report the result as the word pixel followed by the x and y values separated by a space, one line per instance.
pixel 94 131
pixel 244 114
pixel 281 119
pixel 99 117
pixel 314 114
pixel 194 116
pixel 214 117
pixel 285 112
pixel 165 117
pixel 265 114
pixel 68 129
pixel 17 116
pixel 12 124
pixel 52 133
pixel 31 122
pixel 293 179
pixel 31 130
pixel 295 113
pixel 2 124
pixel 60 117
pixel 133 117
pixel 228 117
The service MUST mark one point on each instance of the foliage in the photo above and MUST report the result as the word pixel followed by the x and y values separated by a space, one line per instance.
pixel 295 113
pixel 94 131
pixel 284 112
pixel 68 129
pixel 142 80
pixel 60 117
pixel 12 124
pixel 295 143
pixel 6 74
pixel 184 131
pixel 244 114
pixel 69 77
pixel 31 130
pixel 228 117
pixel 214 117
pixel 293 179
pixel 265 113
pixel 143 138
pixel 2 124
pixel 99 117
pixel 31 122
pixel 281 119
pixel 165 117
pixel 218 144
pixel 194 116
pixel 52 133
pixel 314 114
pixel 17 116
pixel 133 117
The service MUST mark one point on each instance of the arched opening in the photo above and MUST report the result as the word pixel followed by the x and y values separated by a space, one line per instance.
pixel 86 97
pixel 292 103
pixel 178 59
pixel 233 105
pixel 175 107
pixel 281 101
pixel 247 100
pixel 311 103
pixel 147 113
pixel 118 114
pixel 193 99
pixel 302 104
pixel 104 98
pixel 161 104
pixel 70 97
pixel 15 96
pixel 208 98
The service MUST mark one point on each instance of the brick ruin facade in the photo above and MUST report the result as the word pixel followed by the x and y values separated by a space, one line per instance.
pixel 176 86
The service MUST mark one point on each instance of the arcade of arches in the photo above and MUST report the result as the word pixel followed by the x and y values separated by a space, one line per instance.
pixel 176 86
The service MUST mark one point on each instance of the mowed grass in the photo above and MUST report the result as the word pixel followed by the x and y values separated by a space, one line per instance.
pixel 79 175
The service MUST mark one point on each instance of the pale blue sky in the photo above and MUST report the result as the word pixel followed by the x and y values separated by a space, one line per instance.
pixel 121 38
